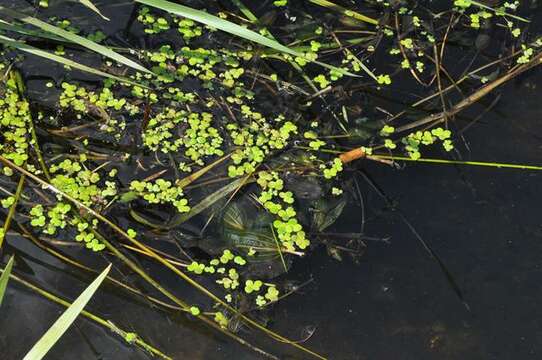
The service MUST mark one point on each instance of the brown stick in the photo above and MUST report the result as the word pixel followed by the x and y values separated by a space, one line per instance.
pixel 476 96
pixel 359 153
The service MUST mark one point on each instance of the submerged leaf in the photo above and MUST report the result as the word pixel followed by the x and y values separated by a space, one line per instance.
pixel 327 213
pixel 347 12
pixel 209 201
pixel 234 218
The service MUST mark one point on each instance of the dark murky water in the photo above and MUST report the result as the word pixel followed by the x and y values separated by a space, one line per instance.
pixel 485 225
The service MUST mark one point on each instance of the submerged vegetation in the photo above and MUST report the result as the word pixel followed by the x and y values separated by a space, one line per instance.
pixel 218 142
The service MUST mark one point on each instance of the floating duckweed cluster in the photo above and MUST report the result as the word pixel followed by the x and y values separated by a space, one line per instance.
pixel 226 269
pixel 256 140
pixel 199 139
pixel 278 202
pixel 153 24
pixel 103 105
pixel 161 192
pixel 156 24
pixel 413 140
pixel 74 179
pixel 83 185
pixel 14 125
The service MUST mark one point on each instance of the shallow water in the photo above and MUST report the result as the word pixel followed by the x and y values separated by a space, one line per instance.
pixel 396 304
pixel 483 222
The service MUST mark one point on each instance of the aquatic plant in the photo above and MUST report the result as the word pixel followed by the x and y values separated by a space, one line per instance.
pixel 205 140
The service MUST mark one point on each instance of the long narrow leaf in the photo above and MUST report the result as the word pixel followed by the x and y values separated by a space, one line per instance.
pixel 62 324
pixel 4 25
pixel 76 39
pixel 4 278
pixel 229 27
pixel 47 55
pixel 207 202
pixel 93 7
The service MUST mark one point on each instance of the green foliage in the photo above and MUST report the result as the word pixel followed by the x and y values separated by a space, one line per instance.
pixel 221 319
pixel 46 342
pixel 14 124
pixel 4 278
pixel 279 203
pixel 202 103
pixel 153 24
pixel 194 310
pixel 161 192
pixel 252 286
pixel 68 33
pixel 335 167
pixel 413 141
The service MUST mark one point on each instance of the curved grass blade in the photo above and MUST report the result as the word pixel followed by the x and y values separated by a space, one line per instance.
pixel 74 38
pixel 40 349
pixel 92 7
pixel 35 51
pixel 232 28
pixel 4 278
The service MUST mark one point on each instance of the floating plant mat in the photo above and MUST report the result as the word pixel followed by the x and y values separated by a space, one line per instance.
pixel 218 142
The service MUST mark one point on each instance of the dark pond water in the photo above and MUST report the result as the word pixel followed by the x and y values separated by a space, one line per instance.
pixel 484 224
pixel 395 304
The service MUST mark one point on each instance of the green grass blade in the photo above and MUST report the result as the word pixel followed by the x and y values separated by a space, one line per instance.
pixel 458 162
pixel 38 52
pixel 4 278
pixel 347 12
pixel 62 324
pixel 74 38
pixel 7 26
pixel 229 27
pixel 93 7
pixel 216 22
